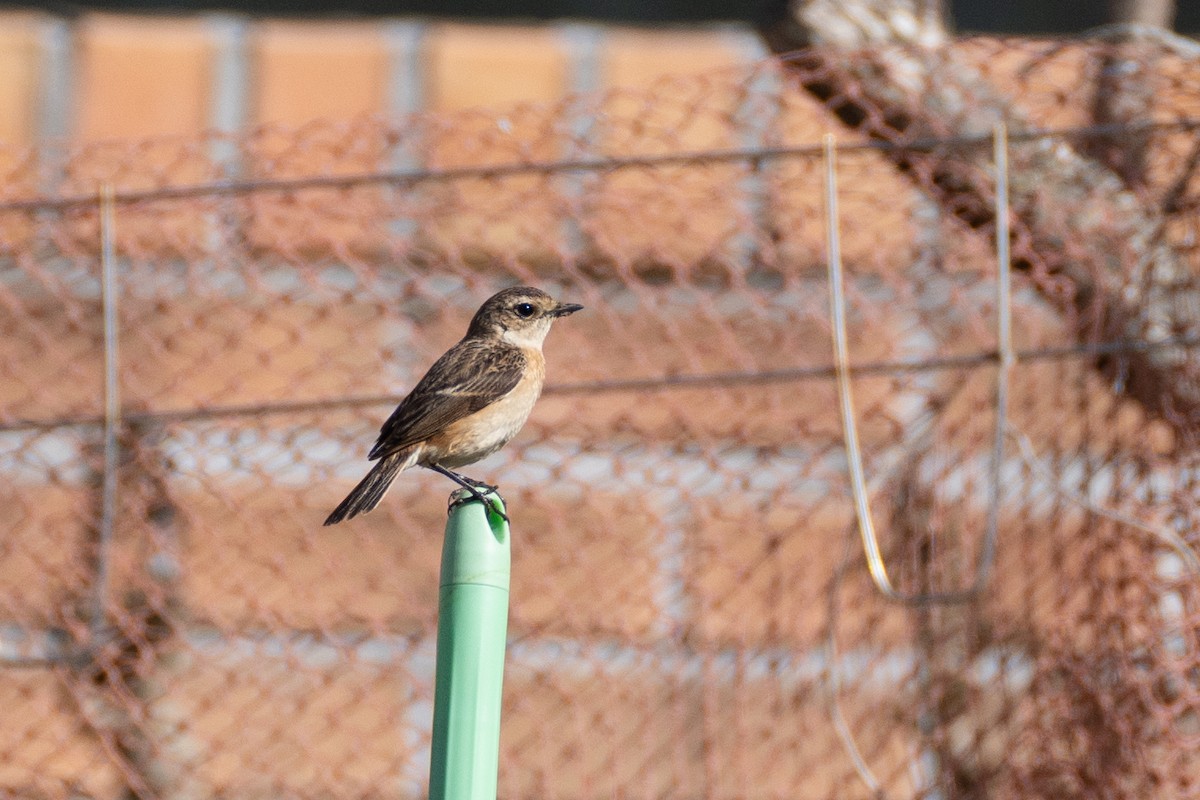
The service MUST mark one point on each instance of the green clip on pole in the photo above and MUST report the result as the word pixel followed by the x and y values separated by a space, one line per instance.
pixel 472 626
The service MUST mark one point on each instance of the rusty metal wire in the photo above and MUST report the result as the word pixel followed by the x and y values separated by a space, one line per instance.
pixel 690 616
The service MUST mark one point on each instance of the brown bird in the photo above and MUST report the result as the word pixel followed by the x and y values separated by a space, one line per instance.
pixel 471 402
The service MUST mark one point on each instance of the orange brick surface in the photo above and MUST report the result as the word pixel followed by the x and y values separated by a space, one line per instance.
pixel 525 71
pixel 52 361
pixel 303 71
pixel 762 577
pixel 591 730
pixel 636 59
pixel 149 79
pixel 234 722
pixel 1040 391
pixel 666 640
pixel 681 215
pixel 45 569
pixel 603 344
pixel 210 350
pixel 588 565
pixel 493 66
pixel 587 732
pixel 141 77
pixel 144 77
pixel 774 737
pixel 873 235
pixel 44 750
pixel 20 62
pixel 255 557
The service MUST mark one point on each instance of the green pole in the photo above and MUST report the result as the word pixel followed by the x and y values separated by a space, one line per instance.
pixel 472 626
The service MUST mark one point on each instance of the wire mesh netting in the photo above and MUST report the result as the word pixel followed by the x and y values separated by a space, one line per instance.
pixel 692 615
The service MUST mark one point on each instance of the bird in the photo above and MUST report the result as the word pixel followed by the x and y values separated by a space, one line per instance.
pixel 471 402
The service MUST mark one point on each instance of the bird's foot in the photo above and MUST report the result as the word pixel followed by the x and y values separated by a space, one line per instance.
pixel 473 493
pixel 481 485
pixel 472 487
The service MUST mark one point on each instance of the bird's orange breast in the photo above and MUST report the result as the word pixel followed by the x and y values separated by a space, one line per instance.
pixel 477 436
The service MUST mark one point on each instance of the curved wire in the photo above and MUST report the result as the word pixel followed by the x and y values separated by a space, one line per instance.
pixel 833 684
pixel 1164 534
pixel 876 564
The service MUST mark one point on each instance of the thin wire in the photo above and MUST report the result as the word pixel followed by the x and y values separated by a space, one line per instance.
pixel 837 302
pixel 664 383
pixel 1163 534
pixel 409 177
pixel 833 671
pixel 876 564
pixel 1006 357
pixel 1004 345
pixel 112 406
pixel 841 360
pixel 33 662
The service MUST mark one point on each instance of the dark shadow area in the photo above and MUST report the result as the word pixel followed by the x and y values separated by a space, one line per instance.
pixel 1029 17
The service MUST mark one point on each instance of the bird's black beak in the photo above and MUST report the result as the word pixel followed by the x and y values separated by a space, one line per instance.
pixel 567 309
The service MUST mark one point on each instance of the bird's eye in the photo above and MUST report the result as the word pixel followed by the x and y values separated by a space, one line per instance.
pixel 524 310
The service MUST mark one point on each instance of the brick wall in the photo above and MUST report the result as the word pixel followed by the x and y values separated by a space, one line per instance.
pixel 681 553
pixel 106 76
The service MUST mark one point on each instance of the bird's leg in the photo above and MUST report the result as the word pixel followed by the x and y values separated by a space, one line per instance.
pixel 465 481
pixel 479 484
pixel 471 486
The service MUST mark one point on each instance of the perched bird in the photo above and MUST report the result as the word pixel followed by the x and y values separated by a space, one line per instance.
pixel 470 403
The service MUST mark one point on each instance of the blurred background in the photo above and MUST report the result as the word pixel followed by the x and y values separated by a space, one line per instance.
pixel 306 205
pixel 110 70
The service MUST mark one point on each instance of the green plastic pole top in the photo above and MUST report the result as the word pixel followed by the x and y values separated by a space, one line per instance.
pixel 472 630
pixel 476 547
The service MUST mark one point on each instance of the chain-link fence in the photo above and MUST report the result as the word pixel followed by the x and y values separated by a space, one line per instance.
pixel 691 615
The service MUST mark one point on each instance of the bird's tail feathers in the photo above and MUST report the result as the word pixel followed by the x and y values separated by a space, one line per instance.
pixel 374 486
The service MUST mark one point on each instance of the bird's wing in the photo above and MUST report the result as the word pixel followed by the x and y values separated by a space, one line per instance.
pixel 469 376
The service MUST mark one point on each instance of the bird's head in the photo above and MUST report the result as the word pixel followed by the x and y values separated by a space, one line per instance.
pixel 521 316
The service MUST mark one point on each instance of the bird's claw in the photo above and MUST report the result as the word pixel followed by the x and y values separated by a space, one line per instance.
pixel 457 499
pixel 481 485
